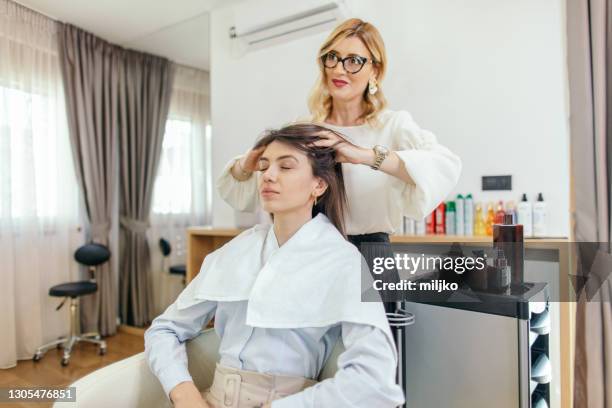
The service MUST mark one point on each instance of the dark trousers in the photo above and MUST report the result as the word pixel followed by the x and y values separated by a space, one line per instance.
pixel 377 251
pixel 369 252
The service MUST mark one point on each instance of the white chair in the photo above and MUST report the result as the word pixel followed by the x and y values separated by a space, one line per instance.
pixel 130 382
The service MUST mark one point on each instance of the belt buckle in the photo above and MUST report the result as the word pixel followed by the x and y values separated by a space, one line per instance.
pixel 230 399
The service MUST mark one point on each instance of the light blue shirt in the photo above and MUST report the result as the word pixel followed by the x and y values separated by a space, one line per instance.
pixel 366 369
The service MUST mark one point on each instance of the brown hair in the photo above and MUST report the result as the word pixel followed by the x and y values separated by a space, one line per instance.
pixel 332 202
pixel 320 101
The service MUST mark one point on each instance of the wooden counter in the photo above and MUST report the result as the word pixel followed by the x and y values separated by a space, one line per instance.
pixel 203 240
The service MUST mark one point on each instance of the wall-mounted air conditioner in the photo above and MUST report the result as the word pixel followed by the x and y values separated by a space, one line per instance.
pixel 266 22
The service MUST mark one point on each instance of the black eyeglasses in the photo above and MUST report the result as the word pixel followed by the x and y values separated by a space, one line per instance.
pixel 352 64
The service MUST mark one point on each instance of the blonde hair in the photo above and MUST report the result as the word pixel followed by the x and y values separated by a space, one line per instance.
pixel 320 101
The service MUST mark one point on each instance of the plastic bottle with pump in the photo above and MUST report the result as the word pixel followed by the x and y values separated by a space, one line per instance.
pixel 525 216
pixel 539 217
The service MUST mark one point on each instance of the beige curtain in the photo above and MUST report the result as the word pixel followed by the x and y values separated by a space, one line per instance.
pixel 589 28
pixel 144 98
pixel 117 103
pixel 91 71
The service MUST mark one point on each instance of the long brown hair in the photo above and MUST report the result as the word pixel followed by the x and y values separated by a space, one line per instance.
pixel 332 202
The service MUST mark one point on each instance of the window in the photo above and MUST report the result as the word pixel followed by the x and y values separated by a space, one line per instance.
pixel 173 185
pixel 181 194
pixel 33 153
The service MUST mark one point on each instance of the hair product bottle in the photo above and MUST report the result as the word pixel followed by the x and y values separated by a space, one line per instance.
pixel 420 227
pixel 539 217
pixel 449 225
pixel 525 216
pixel 508 237
pixel 440 221
pixel 499 280
pixel 469 215
pixel 430 223
pixel 511 209
pixel 408 226
pixel 499 213
pixel 460 215
pixel 479 224
pixel 490 220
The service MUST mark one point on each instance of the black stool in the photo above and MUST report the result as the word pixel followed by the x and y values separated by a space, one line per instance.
pixel 166 250
pixel 90 255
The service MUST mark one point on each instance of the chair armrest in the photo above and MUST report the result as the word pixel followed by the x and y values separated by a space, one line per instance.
pixel 126 383
pixel 130 382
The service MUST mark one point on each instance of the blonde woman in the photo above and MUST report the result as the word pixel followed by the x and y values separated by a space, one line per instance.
pixel 392 167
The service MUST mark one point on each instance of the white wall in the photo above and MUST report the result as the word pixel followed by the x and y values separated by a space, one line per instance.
pixel 487 77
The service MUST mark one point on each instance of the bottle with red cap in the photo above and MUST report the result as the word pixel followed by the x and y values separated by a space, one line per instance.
pixel 440 218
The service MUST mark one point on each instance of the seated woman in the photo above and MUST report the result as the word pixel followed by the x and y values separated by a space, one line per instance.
pixel 282 296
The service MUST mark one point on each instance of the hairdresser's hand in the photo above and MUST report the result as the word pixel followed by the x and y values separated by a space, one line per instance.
pixel 250 159
pixel 244 167
pixel 186 395
pixel 346 152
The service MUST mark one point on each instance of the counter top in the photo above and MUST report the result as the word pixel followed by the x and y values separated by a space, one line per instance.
pixel 232 232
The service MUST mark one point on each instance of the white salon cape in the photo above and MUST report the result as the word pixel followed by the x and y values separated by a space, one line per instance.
pixel 280 310
pixel 377 201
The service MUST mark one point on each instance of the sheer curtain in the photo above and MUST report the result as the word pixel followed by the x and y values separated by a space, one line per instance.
pixel 38 190
pixel 181 194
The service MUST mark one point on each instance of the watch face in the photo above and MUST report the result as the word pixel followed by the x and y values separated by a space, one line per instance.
pixel 381 149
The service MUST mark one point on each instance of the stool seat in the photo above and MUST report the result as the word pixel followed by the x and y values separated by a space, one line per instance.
pixel 91 255
pixel 73 289
pixel 178 270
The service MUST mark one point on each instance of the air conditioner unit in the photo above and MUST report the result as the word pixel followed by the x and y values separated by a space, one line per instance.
pixel 267 22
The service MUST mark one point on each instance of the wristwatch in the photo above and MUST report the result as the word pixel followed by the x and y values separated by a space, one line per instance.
pixel 381 153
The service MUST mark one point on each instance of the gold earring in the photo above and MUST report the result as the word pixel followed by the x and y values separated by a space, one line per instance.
pixel 372 87
pixel 315 199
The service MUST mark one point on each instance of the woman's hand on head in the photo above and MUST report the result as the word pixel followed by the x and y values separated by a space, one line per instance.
pixel 346 152
pixel 187 395
pixel 244 168
pixel 251 158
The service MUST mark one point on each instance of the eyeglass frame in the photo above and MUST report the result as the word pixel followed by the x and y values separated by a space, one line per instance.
pixel 341 60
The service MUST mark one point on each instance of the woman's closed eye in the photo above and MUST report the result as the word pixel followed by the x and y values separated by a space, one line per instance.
pixel 287 166
pixel 262 165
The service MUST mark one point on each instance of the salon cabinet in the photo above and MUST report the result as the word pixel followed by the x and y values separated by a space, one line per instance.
pixel 468 355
